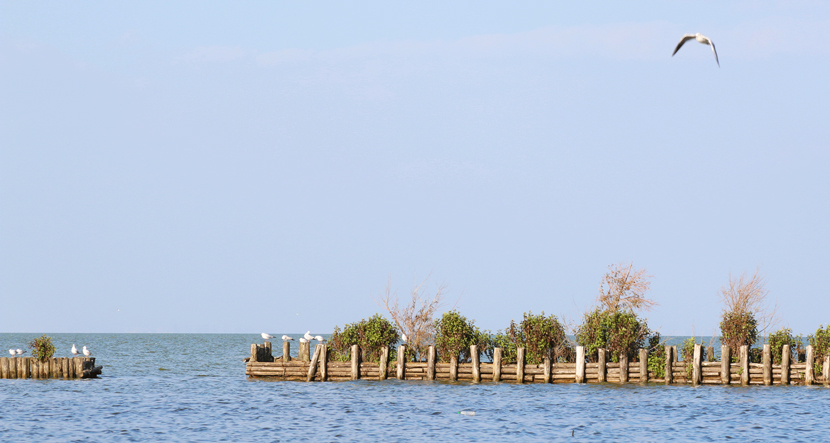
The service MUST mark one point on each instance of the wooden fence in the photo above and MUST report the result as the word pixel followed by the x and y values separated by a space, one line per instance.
pixel 695 372
pixel 56 367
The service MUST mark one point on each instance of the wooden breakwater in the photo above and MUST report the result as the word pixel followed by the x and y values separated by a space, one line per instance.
pixel 55 367
pixel 316 367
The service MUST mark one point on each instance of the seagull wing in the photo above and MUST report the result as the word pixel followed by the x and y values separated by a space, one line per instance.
pixel 685 38
pixel 712 44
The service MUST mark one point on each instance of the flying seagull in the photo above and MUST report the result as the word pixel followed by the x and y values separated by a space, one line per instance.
pixel 86 352
pixel 701 39
pixel 266 336
pixel 308 335
pixel 287 338
pixel 74 350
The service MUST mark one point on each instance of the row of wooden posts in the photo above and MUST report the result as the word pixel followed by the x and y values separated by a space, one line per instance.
pixel 316 367
pixel 55 367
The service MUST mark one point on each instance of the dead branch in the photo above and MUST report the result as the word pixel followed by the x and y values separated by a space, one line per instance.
pixel 624 287
pixel 416 317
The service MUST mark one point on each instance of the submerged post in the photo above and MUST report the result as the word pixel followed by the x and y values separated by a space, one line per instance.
pixel 384 362
pixel 496 364
pixel 785 365
pixel 696 364
pixel 355 362
pixel 809 375
pixel 725 364
pixel 643 365
pixel 401 361
pixel 431 363
pixel 667 378
pixel 580 364
pixel 312 367
pixel 601 365
pixel 476 364
pixel 766 360
pixel 286 351
pixel 624 367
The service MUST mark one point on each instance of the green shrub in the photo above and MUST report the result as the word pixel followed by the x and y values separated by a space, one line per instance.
pixel 540 336
pixel 42 348
pixel 454 335
pixel 738 328
pixel 777 340
pixel 820 341
pixel 618 331
pixel 657 356
pixel 370 335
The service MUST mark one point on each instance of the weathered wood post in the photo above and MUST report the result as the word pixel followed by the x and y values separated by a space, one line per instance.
pixel 696 359
pixel 266 350
pixel 312 367
pixel 254 353
pixel 546 363
pixel 454 367
pixel 324 362
pixel 725 364
pixel 520 365
pixel 305 351
pixel 643 365
pixel 12 368
pixel 4 367
pixel 286 351
pixel 744 365
pixel 431 362
pixel 580 364
pixel 401 361
pixel 766 360
pixel 497 364
pixel 785 365
pixel 384 363
pixel 809 375
pixel 355 362
pixel 23 368
pixel 710 353
pixel 476 364
pixel 601 371
pixel 667 378
pixel 624 368
pixel 826 371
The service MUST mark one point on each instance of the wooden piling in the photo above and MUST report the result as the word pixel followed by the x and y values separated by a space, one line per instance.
pixel 725 364
pixel 254 353
pixel 809 375
pixel 324 362
pixel 23 367
pixel 401 361
pixel 601 371
pixel 384 363
pixel 710 353
pixel 4 367
pixel 643 365
pixel 286 351
pixel 744 365
pixel 667 371
pixel 785 365
pixel 355 361
pixel 454 368
pixel 476 364
pixel 12 368
pixel 497 364
pixel 312 367
pixel 580 364
pixel 546 363
pixel 826 371
pixel 624 368
pixel 520 365
pixel 431 363
pixel 305 351
pixel 696 359
pixel 766 360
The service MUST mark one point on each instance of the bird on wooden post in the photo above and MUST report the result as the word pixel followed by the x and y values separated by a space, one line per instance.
pixel 19 352
pixel 308 336
pixel 74 350
pixel 287 338
pixel 404 338
pixel 86 352
pixel 701 39
pixel 266 337
pixel 11 351
pixel 303 340
pixel 319 338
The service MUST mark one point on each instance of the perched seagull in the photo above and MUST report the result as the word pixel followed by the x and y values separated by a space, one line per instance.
pixel 701 39
pixel 319 338
pixel 404 338
pixel 74 350
pixel 19 351
pixel 266 336
pixel 11 351
pixel 287 338
pixel 303 340
pixel 86 352
pixel 308 336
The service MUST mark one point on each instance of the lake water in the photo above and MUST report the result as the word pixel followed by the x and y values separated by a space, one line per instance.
pixel 192 387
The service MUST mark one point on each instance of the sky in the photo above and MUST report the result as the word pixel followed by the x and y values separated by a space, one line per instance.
pixel 251 167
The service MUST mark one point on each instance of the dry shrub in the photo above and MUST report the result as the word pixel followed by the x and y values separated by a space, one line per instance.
pixel 415 318
pixel 624 288
pixel 745 313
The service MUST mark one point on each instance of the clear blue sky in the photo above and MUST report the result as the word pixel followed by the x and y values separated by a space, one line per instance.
pixel 267 166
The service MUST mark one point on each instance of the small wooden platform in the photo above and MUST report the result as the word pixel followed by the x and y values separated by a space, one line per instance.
pixel 55 367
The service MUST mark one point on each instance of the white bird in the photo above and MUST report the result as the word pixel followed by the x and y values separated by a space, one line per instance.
pixel 266 336
pixel 319 338
pixel 403 337
pixel 287 338
pixel 303 340
pixel 701 39
pixel 11 351
pixel 86 352
pixel 308 335
pixel 74 350
pixel 19 351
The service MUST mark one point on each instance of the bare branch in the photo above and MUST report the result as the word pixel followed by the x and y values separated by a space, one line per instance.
pixel 623 287
pixel 416 317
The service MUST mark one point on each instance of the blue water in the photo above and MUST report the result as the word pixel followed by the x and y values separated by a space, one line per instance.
pixel 192 387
